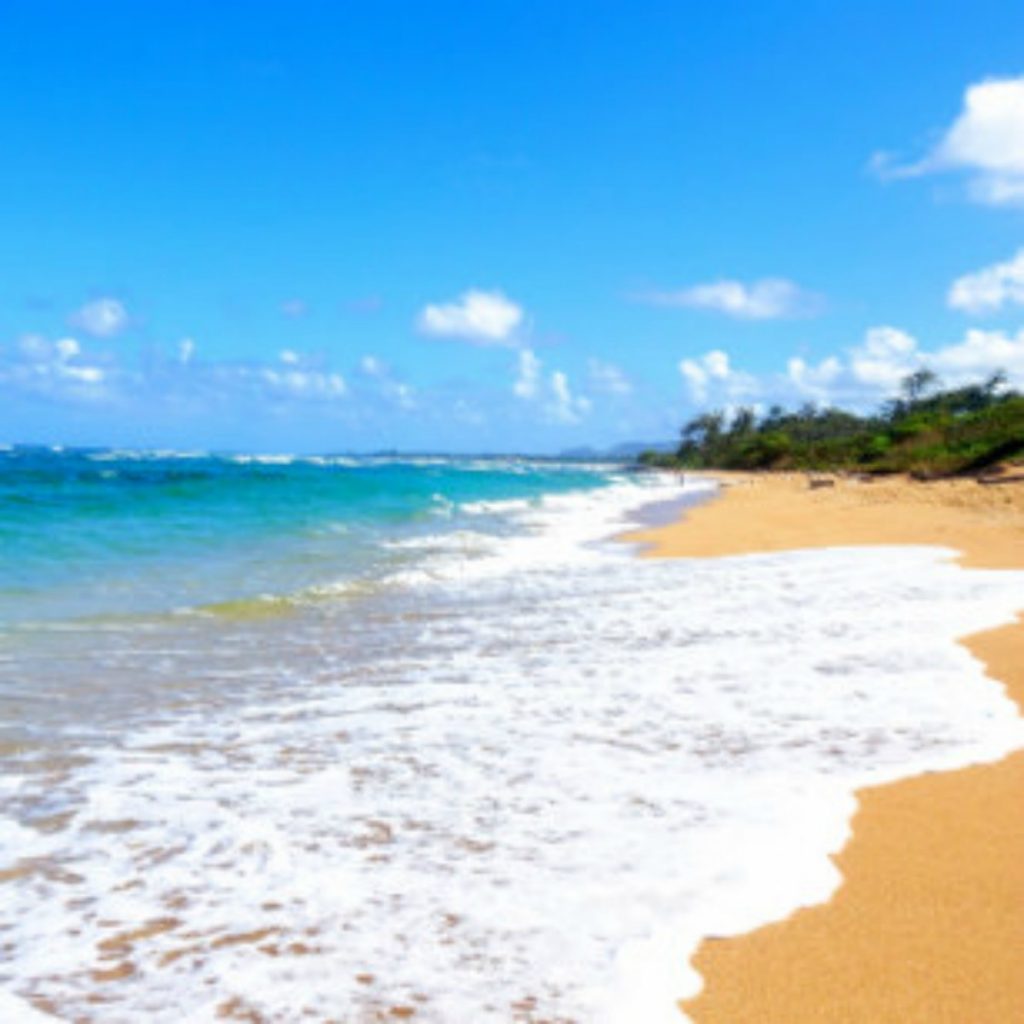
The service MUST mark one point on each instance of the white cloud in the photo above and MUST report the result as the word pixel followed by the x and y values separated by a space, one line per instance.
pixel 67 351
pixel 608 378
pixel 986 140
pixel 981 354
pixel 566 406
pixel 885 357
pixel 874 369
pixel 814 381
pixel 697 373
pixel 527 382
pixel 862 376
pixel 395 391
pixel 294 309
pixel 299 376
pixel 553 394
pixel 772 298
pixel 57 369
pixel 304 384
pixel 84 374
pixel 64 369
pixel 67 348
pixel 712 375
pixel 102 318
pixel 717 364
pixel 990 288
pixel 479 317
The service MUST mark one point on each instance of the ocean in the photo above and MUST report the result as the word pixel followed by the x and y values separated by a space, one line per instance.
pixel 359 739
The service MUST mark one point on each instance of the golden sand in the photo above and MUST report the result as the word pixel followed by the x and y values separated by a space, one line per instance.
pixel 928 926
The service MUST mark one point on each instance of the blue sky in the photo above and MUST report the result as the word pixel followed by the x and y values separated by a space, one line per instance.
pixel 492 225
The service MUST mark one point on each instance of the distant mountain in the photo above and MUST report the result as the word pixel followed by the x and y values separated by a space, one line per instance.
pixel 631 449
pixel 625 450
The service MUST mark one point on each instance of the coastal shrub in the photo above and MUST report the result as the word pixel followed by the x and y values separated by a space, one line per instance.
pixel 925 430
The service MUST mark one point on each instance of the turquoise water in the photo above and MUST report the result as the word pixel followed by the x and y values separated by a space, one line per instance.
pixel 108 533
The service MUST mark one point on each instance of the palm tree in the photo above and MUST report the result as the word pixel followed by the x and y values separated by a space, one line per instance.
pixel 915 385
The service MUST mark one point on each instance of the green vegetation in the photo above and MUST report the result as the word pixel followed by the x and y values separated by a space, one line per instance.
pixel 927 431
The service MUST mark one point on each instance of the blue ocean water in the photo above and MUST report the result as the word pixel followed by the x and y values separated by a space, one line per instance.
pixel 108 533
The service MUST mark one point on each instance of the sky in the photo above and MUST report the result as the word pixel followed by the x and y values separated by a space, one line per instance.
pixel 497 226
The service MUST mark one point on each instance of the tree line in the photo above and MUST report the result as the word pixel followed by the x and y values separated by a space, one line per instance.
pixel 927 431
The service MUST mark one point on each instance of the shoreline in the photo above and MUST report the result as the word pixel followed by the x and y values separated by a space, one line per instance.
pixel 926 925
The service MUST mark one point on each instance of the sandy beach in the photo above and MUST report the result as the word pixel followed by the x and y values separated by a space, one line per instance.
pixel 928 924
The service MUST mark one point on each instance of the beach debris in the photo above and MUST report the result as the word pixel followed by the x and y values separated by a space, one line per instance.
pixel 1005 478
pixel 814 482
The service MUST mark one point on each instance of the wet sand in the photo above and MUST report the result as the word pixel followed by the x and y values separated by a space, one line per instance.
pixel 928 925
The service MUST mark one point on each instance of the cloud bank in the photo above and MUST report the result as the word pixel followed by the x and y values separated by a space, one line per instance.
pixel 862 376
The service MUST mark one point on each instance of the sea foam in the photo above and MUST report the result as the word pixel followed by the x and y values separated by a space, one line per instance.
pixel 519 785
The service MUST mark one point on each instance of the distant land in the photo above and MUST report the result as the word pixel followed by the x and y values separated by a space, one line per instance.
pixel 626 450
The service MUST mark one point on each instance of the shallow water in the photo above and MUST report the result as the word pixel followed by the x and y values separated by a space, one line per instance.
pixel 516 776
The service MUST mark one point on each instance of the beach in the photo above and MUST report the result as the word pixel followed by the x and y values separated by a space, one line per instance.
pixel 927 925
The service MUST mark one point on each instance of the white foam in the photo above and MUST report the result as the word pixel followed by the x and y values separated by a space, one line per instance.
pixel 17 1011
pixel 264 460
pixel 144 455
pixel 330 460
pixel 458 541
pixel 496 507
pixel 553 532
pixel 539 789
